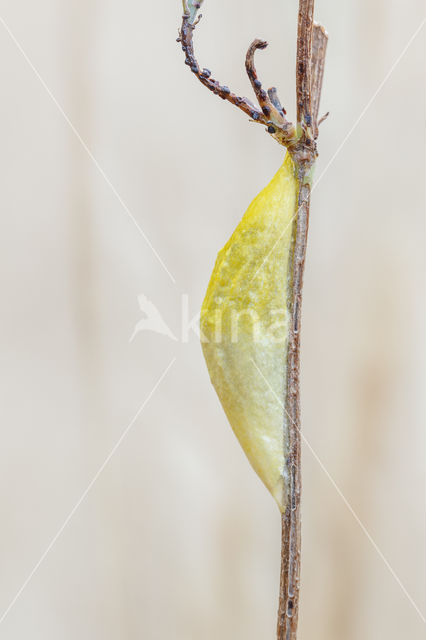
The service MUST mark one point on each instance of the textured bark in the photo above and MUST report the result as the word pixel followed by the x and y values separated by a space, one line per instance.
pixel 300 141
pixel 319 48
pixel 311 49
pixel 270 114
pixel 303 61
pixel 288 608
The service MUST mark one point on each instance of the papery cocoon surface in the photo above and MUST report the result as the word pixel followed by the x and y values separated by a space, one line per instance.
pixel 244 328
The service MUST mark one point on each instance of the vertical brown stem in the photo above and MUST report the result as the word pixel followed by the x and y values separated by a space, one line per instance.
pixel 303 61
pixel 291 526
pixel 304 155
pixel 319 48
pixel 301 144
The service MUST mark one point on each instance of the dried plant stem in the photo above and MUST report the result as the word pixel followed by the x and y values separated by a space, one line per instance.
pixel 288 607
pixel 319 48
pixel 300 141
pixel 309 75
pixel 303 60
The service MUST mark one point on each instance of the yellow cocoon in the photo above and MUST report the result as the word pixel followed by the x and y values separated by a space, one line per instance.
pixel 244 328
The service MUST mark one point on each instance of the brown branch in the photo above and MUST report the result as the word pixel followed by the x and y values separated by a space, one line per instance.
pixel 273 96
pixel 204 75
pixel 309 74
pixel 303 62
pixel 311 49
pixel 288 608
pixel 268 114
pixel 319 48
pixel 265 103
pixel 269 101
pixel 324 117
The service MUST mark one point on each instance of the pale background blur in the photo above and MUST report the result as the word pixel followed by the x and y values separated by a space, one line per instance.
pixel 177 538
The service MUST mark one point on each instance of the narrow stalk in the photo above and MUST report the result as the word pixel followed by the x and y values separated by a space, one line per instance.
pixel 309 74
pixel 300 141
pixel 319 48
pixel 303 61
pixel 288 607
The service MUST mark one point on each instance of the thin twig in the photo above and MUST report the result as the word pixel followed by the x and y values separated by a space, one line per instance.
pixel 303 62
pixel 319 48
pixel 301 144
pixel 268 107
pixel 324 117
pixel 308 89
pixel 273 96
pixel 205 77
pixel 268 114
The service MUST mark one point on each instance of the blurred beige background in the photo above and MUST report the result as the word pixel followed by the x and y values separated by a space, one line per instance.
pixel 177 538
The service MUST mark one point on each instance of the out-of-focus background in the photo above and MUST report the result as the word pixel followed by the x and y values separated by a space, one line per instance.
pixel 158 528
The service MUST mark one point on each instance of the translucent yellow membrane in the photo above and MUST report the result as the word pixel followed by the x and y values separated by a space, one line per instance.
pixel 244 326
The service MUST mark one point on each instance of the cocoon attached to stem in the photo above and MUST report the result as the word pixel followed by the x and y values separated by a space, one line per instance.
pixel 244 328
pixel 251 315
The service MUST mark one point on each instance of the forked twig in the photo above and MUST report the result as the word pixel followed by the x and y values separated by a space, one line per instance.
pixel 311 47
pixel 269 114
pixel 300 141
pixel 269 107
